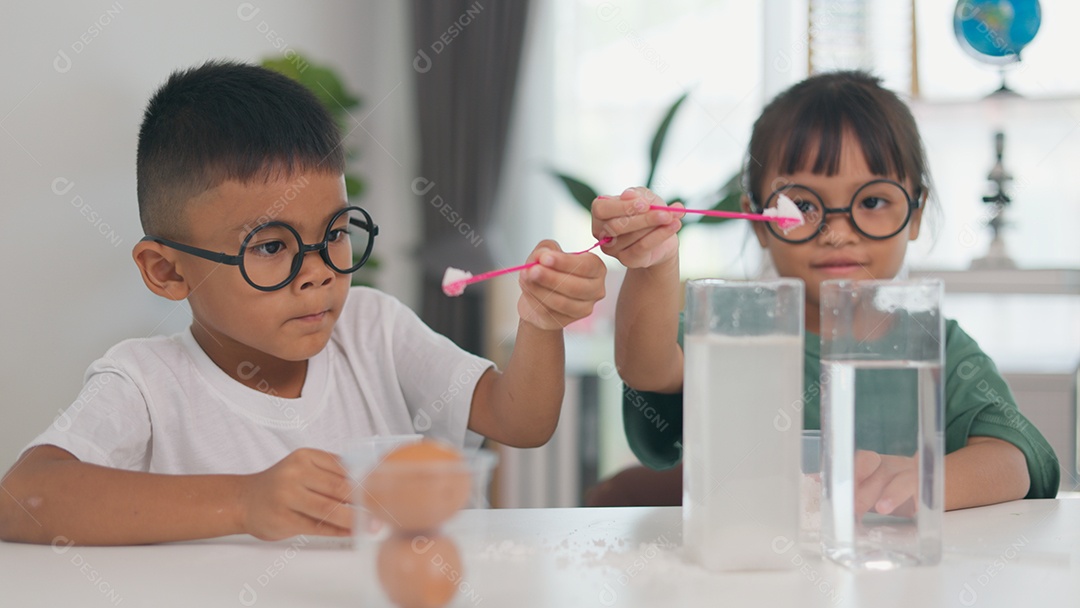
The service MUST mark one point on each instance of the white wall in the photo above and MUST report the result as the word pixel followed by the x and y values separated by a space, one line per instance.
pixel 70 289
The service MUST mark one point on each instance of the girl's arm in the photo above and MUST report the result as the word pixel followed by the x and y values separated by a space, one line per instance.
pixel 984 472
pixel 647 353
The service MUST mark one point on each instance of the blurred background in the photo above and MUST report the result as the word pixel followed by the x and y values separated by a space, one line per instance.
pixel 466 110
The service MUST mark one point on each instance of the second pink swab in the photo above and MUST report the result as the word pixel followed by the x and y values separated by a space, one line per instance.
pixel 455 280
pixel 786 214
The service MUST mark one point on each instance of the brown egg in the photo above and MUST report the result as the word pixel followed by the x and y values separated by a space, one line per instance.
pixel 419 571
pixel 418 486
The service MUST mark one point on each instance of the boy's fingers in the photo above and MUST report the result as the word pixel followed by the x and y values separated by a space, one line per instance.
pixel 316 527
pixel 324 460
pixel 323 509
pixel 587 265
pixel 559 307
pixel 330 485
pixel 568 295
pixel 542 314
pixel 540 281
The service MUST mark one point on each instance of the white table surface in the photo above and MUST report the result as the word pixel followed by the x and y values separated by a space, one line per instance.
pixel 1023 553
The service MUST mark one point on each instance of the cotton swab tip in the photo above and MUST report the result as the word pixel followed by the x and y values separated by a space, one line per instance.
pixel 787 212
pixel 453 281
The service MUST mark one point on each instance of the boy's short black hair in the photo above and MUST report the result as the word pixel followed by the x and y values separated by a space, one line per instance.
pixel 222 121
pixel 816 112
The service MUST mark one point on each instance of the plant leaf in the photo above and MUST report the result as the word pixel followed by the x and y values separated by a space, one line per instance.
pixel 353 186
pixel 661 134
pixel 322 81
pixel 582 192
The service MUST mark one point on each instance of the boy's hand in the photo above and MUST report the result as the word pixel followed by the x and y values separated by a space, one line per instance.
pixel 885 484
pixel 561 289
pixel 307 492
pixel 641 237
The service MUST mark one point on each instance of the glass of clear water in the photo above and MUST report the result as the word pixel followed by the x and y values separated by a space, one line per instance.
pixel 743 366
pixel 882 420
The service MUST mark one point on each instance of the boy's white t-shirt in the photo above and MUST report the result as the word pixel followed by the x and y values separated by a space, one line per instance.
pixel 162 405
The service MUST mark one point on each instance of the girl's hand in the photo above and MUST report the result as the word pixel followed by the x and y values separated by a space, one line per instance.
pixel 641 238
pixel 562 288
pixel 885 484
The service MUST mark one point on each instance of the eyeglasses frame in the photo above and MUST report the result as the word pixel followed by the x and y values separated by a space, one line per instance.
pixel 297 263
pixel 913 203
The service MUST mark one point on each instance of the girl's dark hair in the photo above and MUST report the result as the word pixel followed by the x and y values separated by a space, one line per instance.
pixel 817 111
pixel 226 120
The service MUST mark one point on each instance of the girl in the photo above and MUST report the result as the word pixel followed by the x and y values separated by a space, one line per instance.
pixel 827 142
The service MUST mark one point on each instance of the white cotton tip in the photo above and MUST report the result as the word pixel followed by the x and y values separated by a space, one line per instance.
pixel 453 282
pixel 788 211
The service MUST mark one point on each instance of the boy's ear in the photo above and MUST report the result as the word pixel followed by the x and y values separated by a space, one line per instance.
pixel 759 227
pixel 157 264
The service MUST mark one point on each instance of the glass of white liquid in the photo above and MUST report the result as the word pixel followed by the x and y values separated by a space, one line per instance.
pixel 743 366
pixel 882 421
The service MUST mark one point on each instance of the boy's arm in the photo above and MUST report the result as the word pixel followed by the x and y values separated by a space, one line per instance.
pixel 984 472
pixel 647 353
pixel 49 496
pixel 520 406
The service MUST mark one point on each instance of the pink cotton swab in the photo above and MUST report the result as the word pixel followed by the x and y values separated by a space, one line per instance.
pixel 455 280
pixel 786 214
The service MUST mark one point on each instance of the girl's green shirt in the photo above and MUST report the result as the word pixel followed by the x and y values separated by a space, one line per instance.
pixel 978 402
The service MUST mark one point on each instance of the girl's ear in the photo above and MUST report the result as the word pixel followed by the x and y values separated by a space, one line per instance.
pixel 158 266
pixel 916 216
pixel 759 227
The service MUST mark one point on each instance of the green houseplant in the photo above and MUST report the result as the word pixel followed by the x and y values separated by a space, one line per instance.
pixel 728 194
pixel 329 88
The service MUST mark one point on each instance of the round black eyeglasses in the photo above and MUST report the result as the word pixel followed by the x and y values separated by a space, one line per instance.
pixel 272 254
pixel 879 210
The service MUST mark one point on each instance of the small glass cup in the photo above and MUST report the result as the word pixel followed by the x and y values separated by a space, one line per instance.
pixel 360 458
pixel 443 487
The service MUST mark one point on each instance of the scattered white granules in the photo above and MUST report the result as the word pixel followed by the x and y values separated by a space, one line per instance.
pixel 787 209
pixel 453 282
pixel 506 551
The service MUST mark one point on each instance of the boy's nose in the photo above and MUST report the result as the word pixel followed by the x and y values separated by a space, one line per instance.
pixel 314 271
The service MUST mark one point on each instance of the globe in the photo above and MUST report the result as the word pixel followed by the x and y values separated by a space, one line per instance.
pixel 995 31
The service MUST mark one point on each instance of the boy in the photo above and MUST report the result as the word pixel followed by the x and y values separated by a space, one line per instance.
pixel 229 427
